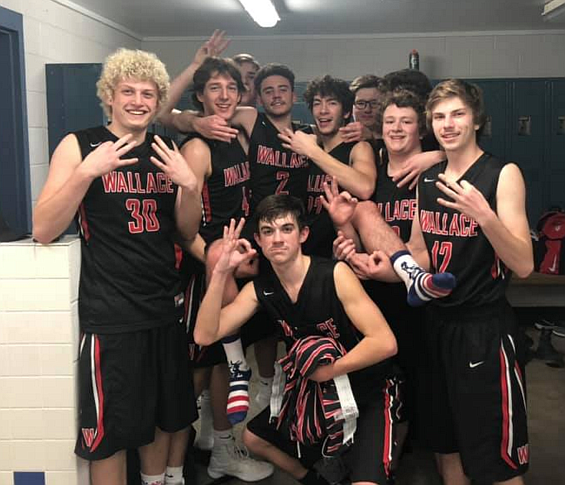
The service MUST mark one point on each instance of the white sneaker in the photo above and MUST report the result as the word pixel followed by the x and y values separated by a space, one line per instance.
pixel 167 482
pixel 230 459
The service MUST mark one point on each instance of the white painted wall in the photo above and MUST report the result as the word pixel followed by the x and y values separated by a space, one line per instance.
pixel 465 55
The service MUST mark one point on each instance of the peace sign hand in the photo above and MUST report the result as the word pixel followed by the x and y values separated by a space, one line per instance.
pixel 106 157
pixel 173 164
pixel 465 198
pixel 214 46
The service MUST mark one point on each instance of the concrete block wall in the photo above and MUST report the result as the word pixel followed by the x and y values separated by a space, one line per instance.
pixel 53 33
pixel 442 55
pixel 38 361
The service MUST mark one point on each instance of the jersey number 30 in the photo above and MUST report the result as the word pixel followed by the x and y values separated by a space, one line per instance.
pixel 144 215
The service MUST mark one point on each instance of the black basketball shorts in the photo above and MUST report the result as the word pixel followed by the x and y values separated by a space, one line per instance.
pixel 476 395
pixel 129 384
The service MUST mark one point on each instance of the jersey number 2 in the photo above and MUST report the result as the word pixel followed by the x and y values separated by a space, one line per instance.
pixel 283 177
pixel 144 214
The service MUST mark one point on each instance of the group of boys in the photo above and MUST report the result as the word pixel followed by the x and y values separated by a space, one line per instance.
pixel 249 181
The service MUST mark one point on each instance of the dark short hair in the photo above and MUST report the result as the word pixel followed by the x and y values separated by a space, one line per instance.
pixel 411 79
pixel 403 98
pixel 211 67
pixel 240 59
pixel 279 205
pixel 469 93
pixel 329 86
pixel 273 69
pixel 367 81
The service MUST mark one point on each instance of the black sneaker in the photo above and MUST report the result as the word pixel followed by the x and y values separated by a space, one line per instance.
pixel 544 324
pixel 559 329
pixel 546 352
pixel 334 470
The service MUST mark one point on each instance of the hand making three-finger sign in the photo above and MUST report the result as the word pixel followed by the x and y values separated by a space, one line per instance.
pixel 463 197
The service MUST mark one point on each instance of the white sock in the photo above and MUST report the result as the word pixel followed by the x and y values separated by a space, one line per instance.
pixel 234 352
pixel 152 479
pixel 264 391
pixel 404 265
pixel 222 437
pixel 206 420
pixel 266 381
pixel 173 475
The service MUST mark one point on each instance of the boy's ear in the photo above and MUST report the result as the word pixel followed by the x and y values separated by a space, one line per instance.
pixel 304 233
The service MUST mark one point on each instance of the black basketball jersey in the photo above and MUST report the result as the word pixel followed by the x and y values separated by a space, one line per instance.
pixel 456 243
pixel 274 169
pixel 397 205
pixel 225 193
pixel 318 311
pixel 129 279
pixel 322 231
pixel 377 145
pixel 317 177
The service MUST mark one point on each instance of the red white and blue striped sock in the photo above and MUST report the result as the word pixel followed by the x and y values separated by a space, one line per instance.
pixel 240 374
pixel 238 396
pixel 421 285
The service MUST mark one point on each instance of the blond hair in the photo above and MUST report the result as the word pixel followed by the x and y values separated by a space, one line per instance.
pixel 131 64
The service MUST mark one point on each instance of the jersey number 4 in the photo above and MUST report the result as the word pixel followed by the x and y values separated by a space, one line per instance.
pixel 314 204
pixel 443 250
pixel 144 215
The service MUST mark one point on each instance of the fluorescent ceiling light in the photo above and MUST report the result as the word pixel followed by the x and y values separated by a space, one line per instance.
pixel 262 11
pixel 553 9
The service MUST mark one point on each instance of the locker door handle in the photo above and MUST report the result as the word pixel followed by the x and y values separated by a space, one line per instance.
pixel 524 125
pixel 487 128
pixel 561 125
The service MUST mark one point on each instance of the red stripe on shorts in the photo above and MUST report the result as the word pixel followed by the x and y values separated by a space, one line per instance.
pixel 100 393
pixel 505 411
pixel 387 445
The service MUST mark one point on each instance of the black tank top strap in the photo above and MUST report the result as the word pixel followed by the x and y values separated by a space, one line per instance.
pixel 91 138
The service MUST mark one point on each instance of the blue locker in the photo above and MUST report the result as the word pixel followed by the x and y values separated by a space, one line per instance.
pixel 72 103
pixel 15 189
pixel 300 111
pixel 555 144
pixel 526 137
pixel 495 96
